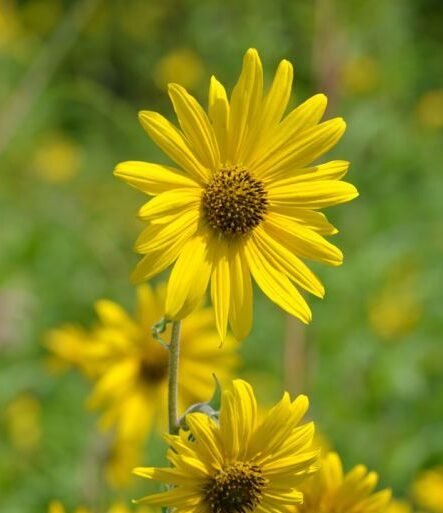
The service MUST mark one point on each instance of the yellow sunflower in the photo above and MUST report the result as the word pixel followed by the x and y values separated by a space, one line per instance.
pixel 122 456
pixel 330 490
pixel 238 465
pixel 399 506
pixel 242 200
pixel 129 367
pixel 427 490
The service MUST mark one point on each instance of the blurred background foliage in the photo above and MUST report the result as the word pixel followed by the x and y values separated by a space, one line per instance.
pixel 73 76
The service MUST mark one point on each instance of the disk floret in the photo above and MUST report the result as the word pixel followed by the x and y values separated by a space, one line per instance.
pixel 153 373
pixel 235 489
pixel 234 201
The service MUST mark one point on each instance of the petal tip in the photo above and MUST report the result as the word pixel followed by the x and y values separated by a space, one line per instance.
pixel 301 402
pixel 145 116
pixel 117 170
pixel 251 52
pixel 173 87
pixel 341 124
pixel 321 98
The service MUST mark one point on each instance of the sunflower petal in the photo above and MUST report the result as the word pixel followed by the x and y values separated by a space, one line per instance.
pixel 288 263
pixel 302 241
pixel 218 111
pixel 279 498
pixel 171 141
pixel 240 312
pixel 157 261
pixel 273 428
pixel 291 464
pixel 311 218
pixel 156 237
pixel 206 436
pixel 274 107
pixel 189 278
pixel 376 502
pixel 276 285
pixel 152 179
pixel 180 497
pixel 195 125
pixel 246 408
pixel 299 151
pixel 228 427
pixel 333 170
pixel 312 194
pixel 169 201
pixel 112 314
pixel 220 290
pixel 245 102
pixel 167 475
pixel 304 116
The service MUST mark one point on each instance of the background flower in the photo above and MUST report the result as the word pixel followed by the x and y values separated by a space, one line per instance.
pixel 331 489
pixel 128 369
pixel 427 490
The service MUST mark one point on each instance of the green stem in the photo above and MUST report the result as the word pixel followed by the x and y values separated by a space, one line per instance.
pixel 174 353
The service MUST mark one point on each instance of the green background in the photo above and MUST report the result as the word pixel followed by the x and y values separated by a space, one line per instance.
pixel 74 75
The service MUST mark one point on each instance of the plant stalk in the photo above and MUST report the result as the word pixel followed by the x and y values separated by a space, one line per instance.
pixel 174 354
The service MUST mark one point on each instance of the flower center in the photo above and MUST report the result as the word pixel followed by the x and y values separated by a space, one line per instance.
pixel 235 489
pixel 234 201
pixel 152 373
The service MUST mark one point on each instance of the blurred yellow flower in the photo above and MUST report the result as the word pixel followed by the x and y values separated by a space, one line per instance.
pixel 129 367
pixel 239 464
pixel 427 490
pixel 57 507
pixel 122 457
pixel 429 109
pixel 181 65
pixel 242 200
pixel 9 23
pixel 71 345
pixel 57 158
pixel 330 490
pixel 361 75
pixel 41 16
pixel 398 506
pixel 322 442
pixel 394 315
pixel 397 308
pixel 23 422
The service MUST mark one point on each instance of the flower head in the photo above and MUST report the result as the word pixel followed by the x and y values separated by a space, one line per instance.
pixel 427 490
pixel 399 506
pixel 129 367
pixel 23 422
pixel 238 465
pixel 244 199
pixel 330 490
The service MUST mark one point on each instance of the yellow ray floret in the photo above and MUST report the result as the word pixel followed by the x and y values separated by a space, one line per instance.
pixel 427 490
pixel 240 464
pixel 243 200
pixel 333 490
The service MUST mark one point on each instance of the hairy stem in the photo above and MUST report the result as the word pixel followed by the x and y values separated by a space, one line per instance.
pixel 174 353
